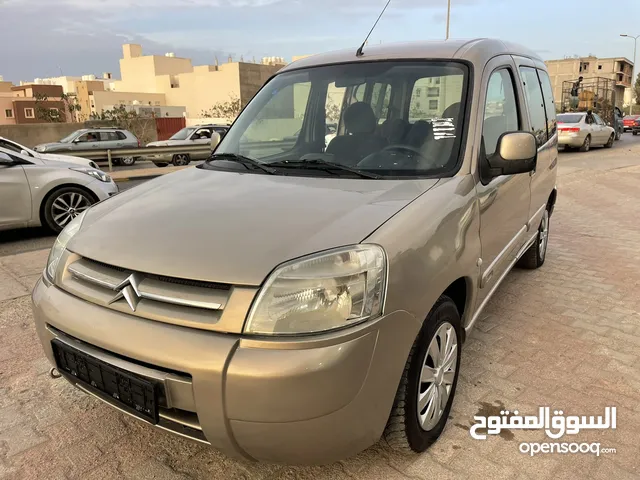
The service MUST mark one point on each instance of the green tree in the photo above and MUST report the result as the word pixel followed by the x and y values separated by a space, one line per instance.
pixel 54 115
pixel 228 110
pixel 635 94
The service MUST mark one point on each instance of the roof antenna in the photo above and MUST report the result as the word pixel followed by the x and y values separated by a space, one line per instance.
pixel 359 52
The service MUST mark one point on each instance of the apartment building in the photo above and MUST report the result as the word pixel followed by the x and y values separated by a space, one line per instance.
pixel 618 69
pixel 19 104
pixel 175 81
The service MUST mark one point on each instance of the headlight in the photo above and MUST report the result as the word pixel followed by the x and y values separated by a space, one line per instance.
pixel 98 174
pixel 61 244
pixel 321 292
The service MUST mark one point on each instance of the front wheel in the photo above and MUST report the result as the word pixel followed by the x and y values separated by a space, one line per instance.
pixel 428 384
pixel 586 145
pixel 609 144
pixel 635 132
pixel 64 205
pixel 128 161
pixel 534 257
pixel 181 159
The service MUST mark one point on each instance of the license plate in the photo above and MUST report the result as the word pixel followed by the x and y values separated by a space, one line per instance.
pixel 128 391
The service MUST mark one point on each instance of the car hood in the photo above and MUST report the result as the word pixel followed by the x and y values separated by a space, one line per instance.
pixel 234 227
pixel 53 145
pixel 66 158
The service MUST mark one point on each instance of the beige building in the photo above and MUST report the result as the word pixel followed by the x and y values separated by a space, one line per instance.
pixel 69 83
pixel 176 82
pixel 618 69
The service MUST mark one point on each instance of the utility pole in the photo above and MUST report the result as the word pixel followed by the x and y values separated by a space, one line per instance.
pixel 449 18
pixel 633 69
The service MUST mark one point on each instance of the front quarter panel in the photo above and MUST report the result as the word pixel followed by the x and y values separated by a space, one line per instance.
pixel 431 243
pixel 43 179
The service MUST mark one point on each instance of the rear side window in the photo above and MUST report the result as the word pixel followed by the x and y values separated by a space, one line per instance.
pixel 533 92
pixel 121 136
pixel 500 110
pixel 549 103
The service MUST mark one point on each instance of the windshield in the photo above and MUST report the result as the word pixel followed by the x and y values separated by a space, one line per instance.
pixel 68 138
pixel 394 119
pixel 182 134
pixel 570 118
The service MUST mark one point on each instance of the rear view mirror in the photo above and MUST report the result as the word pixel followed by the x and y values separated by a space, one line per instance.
pixel 516 152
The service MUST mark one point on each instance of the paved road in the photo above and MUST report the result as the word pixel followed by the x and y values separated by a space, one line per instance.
pixel 28 239
pixel 565 336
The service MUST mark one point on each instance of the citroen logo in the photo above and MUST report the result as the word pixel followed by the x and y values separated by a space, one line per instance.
pixel 128 289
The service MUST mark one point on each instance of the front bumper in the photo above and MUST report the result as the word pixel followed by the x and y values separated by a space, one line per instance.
pixel 304 400
pixel 103 190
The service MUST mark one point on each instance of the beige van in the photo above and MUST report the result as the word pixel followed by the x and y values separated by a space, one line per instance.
pixel 291 301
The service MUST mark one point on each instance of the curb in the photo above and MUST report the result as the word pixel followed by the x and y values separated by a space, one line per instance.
pixel 141 177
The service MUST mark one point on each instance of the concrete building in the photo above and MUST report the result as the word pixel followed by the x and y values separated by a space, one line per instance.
pixel 20 104
pixel 618 69
pixel 69 83
pixel 197 88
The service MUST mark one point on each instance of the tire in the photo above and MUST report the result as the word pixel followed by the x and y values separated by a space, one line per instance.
pixel 128 161
pixel 405 431
pixel 586 145
pixel 73 200
pixel 115 161
pixel 161 165
pixel 181 159
pixel 536 254
pixel 609 144
pixel 619 135
pixel 635 132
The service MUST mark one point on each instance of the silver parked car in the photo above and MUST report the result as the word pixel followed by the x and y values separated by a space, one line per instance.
pixel 583 130
pixel 197 135
pixel 18 148
pixel 36 191
pixel 326 292
pixel 102 138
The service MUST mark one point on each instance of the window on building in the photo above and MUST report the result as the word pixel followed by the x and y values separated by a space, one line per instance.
pixel 418 92
pixel 8 113
pixel 433 92
pixel 157 103
pixel 437 81
pixel 29 113
pixel 500 110
pixel 533 93
pixel 599 67
pixel 433 104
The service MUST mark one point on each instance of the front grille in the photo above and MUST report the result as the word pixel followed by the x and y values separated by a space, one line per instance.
pixel 167 299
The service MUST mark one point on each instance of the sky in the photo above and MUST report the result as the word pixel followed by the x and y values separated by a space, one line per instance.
pixel 45 38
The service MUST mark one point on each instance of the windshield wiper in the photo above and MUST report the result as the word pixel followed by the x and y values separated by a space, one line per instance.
pixel 246 161
pixel 318 163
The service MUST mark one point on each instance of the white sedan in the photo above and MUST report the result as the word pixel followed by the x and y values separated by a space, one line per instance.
pixel 28 152
pixel 582 130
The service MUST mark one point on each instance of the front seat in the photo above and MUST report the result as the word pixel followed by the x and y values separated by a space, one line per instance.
pixel 360 122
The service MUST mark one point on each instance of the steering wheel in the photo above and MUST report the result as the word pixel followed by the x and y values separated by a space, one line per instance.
pixel 371 159
pixel 409 148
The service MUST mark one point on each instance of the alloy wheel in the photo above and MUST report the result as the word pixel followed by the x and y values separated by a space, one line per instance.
pixel 437 376
pixel 68 206
pixel 180 159
pixel 128 161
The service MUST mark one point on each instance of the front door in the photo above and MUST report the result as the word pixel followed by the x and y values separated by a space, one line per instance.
pixel 15 196
pixel 504 201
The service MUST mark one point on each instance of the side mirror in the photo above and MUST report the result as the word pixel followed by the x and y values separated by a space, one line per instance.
pixel 215 140
pixel 517 152
pixel 25 153
pixel 6 160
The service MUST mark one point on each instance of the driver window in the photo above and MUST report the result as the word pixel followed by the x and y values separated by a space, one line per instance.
pixel 10 146
pixel 500 110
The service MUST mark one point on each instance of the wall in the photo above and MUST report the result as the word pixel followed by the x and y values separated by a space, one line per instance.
pixel 33 134
pixel 253 77
pixel 20 105
pixel 5 87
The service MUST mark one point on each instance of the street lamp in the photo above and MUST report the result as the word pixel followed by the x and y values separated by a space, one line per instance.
pixel 449 17
pixel 633 69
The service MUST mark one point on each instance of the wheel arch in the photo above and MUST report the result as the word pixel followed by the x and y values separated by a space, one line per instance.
pixel 46 197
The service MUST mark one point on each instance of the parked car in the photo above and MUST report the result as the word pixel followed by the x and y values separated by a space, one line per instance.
pixel 635 128
pixel 18 148
pixel 35 191
pixel 324 297
pixel 197 135
pixel 629 121
pixel 582 130
pixel 102 138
